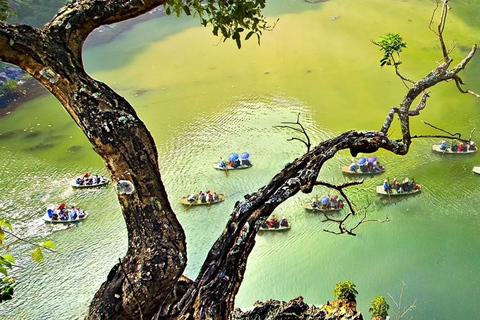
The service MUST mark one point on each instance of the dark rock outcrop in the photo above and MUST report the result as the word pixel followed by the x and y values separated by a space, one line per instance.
pixel 297 309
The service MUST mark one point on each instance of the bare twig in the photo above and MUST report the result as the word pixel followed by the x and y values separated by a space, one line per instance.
pixel 302 130
pixel 341 223
pixel 29 242
pixel 400 313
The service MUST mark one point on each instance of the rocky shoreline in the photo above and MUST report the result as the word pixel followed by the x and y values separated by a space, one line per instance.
pixel 297 309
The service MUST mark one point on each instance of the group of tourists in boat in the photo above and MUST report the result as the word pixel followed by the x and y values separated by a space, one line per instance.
pixel 235 161
pixel 64 214
pixel 406 186
pixel 90 180
pixel 325 203
pixel 202 197
pixel 455 147
pixel 274 224
pixel 364 165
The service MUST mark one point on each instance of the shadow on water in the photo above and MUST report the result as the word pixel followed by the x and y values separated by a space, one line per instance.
pixel 41 146
pixel 10 134
pixel 75 148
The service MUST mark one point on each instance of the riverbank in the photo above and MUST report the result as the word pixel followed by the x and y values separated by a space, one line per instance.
pixel 32 89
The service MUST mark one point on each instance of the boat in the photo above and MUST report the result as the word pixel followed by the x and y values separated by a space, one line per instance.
pixel 325 204
pixel 364 166
pixel 381 191
pixel 273 224
pixel 346 169
pixel 53 214
pixel 476 169
pixel 448 150
pixel 229 167
pixel 198 202
pixel 89 181
pixel 308 207
pixel 235 162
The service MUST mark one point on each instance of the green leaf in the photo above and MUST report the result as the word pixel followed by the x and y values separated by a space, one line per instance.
pixel 239 42
pixel 3 270
pixel 37 254
pixel 5 223
pixel 251 33
pixel 48 244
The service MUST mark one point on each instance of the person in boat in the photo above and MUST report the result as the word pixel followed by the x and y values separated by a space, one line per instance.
pixel 273 222
pixel 284 222
pixel 222 163
pixel 327 204
pixel 72 213
pixel 202 196
pixel 353 167
pixel 334 202
pixel 103 179
pixel 386 186
pixel 231 163
pixel 340 204
pixel 414 185
pixel 395 184
pixel 192 198
pixel 407 185
pixel 443 145
pixel 209 196
pixel 236 163
pixel 370 166
pixel 472 146
pixel 80 213
pixel 462 147
pixel 315 203
pixel 454 147
pixel 364 168
pixel 377 166
pixel 79 181
pixel 215 197
pixel 245 162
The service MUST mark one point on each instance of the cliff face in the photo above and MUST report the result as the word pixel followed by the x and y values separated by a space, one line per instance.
pixel 298 309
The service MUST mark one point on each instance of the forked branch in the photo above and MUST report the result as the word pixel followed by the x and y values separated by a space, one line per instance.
pixel 302 130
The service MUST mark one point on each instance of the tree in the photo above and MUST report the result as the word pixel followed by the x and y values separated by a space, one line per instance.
pixel 148 282
pixel 345 290
pixel 379 308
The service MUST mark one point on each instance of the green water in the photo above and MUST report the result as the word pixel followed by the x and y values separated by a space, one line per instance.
pixel 203 99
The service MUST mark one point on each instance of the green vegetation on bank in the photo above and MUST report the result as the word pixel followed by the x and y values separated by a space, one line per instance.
pixel 29 12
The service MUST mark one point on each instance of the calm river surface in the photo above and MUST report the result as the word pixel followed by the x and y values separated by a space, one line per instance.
pixel 203 99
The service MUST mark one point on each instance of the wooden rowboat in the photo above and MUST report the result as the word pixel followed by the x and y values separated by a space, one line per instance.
pixel 102 182
pixel 221 197
pixel 228 167
pixel 436 148
pixel 47 218
pixel 273 224
pixel 308 207
pixel 382 192
pixel 280 228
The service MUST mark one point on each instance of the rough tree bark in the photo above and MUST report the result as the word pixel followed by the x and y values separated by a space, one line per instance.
pixel 147 283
